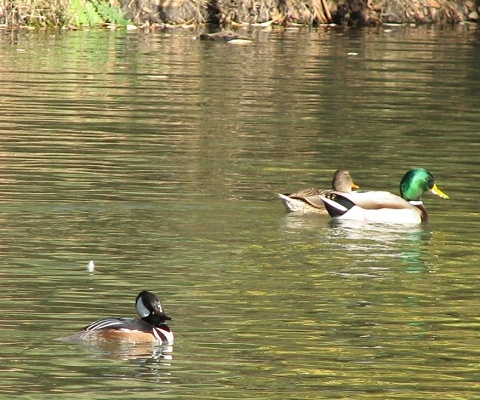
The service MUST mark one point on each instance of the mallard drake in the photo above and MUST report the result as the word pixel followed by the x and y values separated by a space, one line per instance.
pixel 308 200
pixel 386 207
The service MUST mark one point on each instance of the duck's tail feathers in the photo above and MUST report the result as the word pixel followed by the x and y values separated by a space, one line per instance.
pixel 289 203
pixel 283 197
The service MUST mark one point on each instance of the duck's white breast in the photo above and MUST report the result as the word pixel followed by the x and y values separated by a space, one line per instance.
pixel 386 215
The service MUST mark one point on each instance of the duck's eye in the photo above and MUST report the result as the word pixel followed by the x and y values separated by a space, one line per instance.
pixel 430 182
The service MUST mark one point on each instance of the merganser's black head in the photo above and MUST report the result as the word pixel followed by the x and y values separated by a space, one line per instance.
pixel 150 309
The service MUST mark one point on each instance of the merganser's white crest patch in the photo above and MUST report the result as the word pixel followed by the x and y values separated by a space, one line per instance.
pixel 141 309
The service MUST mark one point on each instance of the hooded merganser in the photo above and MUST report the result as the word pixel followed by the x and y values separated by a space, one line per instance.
pixel 150 328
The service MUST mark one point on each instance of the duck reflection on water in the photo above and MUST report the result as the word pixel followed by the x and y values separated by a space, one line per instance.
pixel 374 241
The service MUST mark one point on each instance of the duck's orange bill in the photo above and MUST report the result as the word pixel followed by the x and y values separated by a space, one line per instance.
pixel 355 186
pixel 438 192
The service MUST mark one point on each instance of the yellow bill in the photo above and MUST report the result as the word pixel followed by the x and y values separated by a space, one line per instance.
pixel 438 192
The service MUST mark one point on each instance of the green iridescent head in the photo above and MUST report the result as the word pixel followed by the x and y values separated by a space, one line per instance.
pixel 416 182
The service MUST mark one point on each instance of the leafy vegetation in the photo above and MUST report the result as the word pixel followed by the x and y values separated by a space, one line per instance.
pixel 60 13
pixel 95 12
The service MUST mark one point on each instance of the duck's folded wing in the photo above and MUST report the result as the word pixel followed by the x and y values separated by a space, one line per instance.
pixel 372 200
pixel 108 323
pixel 316 200
pixel 305 193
